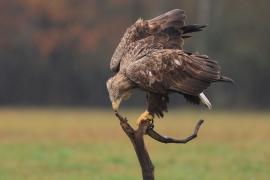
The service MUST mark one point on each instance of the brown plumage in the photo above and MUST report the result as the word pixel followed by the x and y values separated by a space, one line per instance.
pixel 150 57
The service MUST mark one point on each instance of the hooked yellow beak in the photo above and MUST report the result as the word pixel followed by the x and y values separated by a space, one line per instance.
pixel 116 104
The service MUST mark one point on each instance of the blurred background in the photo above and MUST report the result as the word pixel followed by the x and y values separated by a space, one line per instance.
pixel 58 52
pixel 55 115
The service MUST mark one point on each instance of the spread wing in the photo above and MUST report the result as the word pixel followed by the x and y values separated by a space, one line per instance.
pixel 167 29
pixel 171 25
pixel 174 70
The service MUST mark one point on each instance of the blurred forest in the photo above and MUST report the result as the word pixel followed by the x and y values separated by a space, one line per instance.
pixel 58 52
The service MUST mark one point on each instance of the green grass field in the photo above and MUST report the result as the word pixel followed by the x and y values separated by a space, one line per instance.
pixel 68 144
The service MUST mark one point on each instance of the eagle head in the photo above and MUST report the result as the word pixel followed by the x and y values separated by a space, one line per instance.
pixel 119 88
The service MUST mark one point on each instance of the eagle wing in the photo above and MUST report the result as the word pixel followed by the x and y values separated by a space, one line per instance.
pixel 170 24
pixel 169 70
pixel 167 30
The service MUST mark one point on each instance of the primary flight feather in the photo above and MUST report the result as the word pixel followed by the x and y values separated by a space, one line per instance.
pixel 150 57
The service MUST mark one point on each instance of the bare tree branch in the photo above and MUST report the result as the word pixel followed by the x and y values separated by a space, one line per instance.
pixel 164 139
pixel 137 140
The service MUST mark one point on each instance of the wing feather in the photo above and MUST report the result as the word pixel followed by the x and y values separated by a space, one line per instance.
pixel 168 31
pixel 173 70
pixel 158 27
pixel 174 18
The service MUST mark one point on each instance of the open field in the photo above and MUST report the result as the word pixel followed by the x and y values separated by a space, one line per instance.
pixel 89 144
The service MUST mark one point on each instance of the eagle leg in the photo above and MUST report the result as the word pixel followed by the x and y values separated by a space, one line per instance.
pixel 146 116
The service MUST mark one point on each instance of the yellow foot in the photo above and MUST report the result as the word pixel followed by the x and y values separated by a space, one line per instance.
pixel 146 116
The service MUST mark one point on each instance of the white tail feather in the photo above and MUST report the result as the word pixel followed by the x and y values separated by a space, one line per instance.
pixel 205 101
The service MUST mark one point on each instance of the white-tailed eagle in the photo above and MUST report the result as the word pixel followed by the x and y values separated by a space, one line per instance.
pixel 150 57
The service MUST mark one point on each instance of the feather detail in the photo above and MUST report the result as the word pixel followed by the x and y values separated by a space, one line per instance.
pixel 226 79
pixel 192 28
pixel 205 101
pixel 174 18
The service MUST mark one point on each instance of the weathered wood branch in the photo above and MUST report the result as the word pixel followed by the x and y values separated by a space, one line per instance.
pixel 165 139
pixel 136 138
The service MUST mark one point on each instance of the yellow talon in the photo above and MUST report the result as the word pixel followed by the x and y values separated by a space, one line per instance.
pixel 146 116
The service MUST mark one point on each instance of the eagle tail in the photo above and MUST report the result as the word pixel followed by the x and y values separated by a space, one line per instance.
pixel 201 98
pixel 205 101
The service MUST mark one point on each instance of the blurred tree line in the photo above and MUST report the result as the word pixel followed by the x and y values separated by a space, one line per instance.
pixel 58 52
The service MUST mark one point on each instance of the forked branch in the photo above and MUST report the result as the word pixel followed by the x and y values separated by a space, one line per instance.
pixel 136 137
